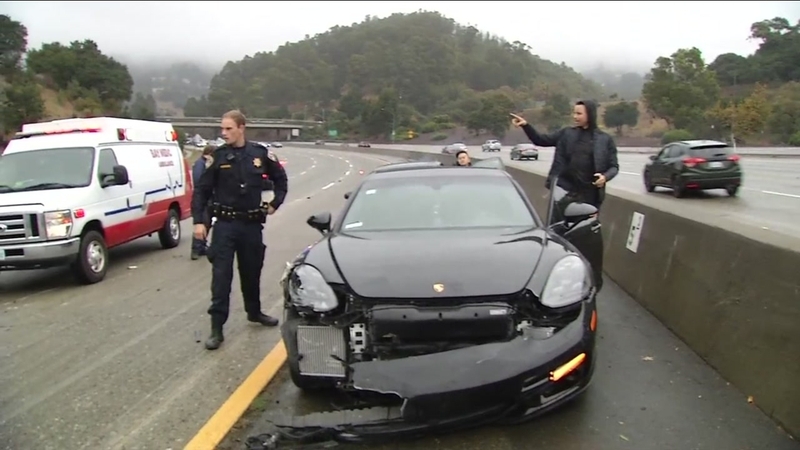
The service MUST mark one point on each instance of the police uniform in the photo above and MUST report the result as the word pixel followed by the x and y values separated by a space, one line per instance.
pixel 234 181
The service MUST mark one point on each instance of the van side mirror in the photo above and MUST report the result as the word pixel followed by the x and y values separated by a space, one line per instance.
pixel 320 222
pixel 118 177
pixel 653 157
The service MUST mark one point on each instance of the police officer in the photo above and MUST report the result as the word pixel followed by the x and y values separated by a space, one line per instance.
pixel 235 180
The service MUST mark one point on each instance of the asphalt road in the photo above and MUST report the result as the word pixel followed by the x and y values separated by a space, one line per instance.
pixel 120 364
pixel 650 392
pixel 769 198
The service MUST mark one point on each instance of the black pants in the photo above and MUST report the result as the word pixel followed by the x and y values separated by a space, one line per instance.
pixel 244 239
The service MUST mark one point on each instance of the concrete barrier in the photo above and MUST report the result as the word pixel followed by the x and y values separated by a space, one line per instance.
pixel 735 300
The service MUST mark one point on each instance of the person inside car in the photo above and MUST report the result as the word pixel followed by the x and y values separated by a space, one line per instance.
pixel 463 159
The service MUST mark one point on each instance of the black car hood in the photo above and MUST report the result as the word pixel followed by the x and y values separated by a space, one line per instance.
pixel 407 264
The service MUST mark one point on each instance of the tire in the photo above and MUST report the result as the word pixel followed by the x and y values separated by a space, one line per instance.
pixel 92 261
pixel 170 234
pixel 732 190
pixel 648 183
pixel 677 189
pixel 303 382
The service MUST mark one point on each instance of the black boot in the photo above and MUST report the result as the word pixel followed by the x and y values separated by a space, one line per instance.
pixel 215 340
pixel 263 319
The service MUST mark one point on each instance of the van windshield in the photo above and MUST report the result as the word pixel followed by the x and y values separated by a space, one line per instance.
pixel 52 168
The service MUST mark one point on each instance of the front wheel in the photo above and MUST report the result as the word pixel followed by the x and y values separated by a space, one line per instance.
pixel 92 262
pixel 732 190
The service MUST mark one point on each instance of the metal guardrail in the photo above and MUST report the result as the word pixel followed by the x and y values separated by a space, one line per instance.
pixel 249 121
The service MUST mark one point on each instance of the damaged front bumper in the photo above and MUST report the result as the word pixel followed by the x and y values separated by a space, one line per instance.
pixel 506 382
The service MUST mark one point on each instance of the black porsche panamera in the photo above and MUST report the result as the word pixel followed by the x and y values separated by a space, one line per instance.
pixel 441 295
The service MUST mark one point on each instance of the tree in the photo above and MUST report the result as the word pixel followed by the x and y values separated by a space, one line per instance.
pixel 195 107
pixel 785 118
pixel 23 104
pixel 492 116
pixel 143 107
pixel 681 88
pixel 778 54
pixel 620 114
pixel 13 43
pixel 746 117
pixel 83 63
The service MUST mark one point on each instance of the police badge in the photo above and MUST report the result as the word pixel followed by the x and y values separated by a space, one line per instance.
pixel 257 162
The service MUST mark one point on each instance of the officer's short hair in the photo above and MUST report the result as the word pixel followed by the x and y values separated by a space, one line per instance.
pixel 238 118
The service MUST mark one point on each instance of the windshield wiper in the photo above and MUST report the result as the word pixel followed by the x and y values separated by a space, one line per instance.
pixel 42 186
pixel 5 188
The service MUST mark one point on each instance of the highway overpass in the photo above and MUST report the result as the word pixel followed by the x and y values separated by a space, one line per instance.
pixel 213 122
pixel 269 129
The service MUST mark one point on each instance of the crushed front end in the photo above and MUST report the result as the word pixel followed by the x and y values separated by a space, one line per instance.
pixel 439 364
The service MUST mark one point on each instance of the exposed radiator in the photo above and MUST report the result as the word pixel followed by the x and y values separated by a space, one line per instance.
pixel 319 347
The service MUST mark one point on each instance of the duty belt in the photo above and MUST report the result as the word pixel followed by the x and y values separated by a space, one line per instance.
pixel 223 212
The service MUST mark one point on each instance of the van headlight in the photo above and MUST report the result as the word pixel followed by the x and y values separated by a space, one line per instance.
pixel 569 282
pixel 58 224
pixel 308 289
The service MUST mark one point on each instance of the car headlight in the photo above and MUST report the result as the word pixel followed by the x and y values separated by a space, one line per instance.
pixel 58 224
pixel 568 283
pixel 308 289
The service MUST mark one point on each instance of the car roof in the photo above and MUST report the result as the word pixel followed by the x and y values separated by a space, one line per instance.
pixel 694 143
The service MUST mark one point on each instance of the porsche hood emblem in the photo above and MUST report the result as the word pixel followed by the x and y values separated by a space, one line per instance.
pixel 438 287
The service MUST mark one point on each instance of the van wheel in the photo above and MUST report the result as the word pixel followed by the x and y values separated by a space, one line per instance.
pixel 732 190
pixel 170 234
pixel 92 262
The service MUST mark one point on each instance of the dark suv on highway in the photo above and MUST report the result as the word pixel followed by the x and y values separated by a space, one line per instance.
pixel 694 165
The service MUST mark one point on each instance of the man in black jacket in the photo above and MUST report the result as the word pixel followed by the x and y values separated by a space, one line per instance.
pixel 585 158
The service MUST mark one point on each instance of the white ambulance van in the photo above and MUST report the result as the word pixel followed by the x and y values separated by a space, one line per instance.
pixel 71 189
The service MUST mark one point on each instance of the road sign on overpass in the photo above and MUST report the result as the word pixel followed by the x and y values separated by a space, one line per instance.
pixel 213 122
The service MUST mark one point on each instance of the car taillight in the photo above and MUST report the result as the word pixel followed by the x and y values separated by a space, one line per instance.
pixel 691 162
pixel 734 158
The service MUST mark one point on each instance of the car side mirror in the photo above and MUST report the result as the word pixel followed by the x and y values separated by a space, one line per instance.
pixel 347 195
pixel 577 212
pixel 653 157
pixel 320 222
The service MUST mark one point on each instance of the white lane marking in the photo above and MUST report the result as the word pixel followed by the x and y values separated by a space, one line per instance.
pixel 629 173
pixel 328 186
pixel 782 194
pixel 303 172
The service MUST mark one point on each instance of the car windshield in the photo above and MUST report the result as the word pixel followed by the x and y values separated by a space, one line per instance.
pixel 710 151
pixel 54 168
pixel 441 202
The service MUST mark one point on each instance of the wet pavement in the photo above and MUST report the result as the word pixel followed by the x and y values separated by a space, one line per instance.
pixel 120 364
pixel 649 392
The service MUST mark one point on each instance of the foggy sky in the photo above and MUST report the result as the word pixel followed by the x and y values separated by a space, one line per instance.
pixel 624 34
